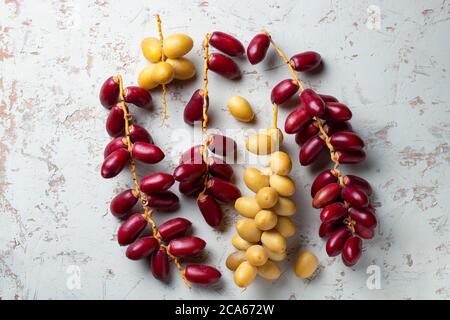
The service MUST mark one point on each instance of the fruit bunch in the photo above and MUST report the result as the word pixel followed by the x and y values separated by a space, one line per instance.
pixel 167 61
pixel 218 63
pixel 319 123
pixel 266 223
pixel 131 143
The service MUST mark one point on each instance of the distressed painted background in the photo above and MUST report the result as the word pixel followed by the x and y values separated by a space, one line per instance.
pixel 389 60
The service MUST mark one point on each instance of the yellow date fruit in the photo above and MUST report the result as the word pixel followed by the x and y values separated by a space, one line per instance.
pixel 177 45
pixel 305 265
pixel 240 108
pixel 255 180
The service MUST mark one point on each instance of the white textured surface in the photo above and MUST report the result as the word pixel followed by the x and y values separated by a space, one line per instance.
pixel 54 204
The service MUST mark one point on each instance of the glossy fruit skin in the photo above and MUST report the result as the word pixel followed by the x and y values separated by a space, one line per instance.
pixel 352 251
pixel 257 48
pixel 305 61
pixel 324 178
pixel 356 197
pixel 363 217
pixel 177 45
pixel 327 98
pixel 123 203
pixel 192 188
pixel 222 145
pixel 226 43
pixel 311 150
pixel 202 275
pixel 332 127
pixel 346 141
pixel 333 212
pixel 115 124
pixel 147 152
pixel 283 91
pixel 140 134
pixel 350 157
pixel 309 131
pixel 240 109
pixel 364 232
pixel 157 182
pixel 109 92
pixel 224 66
pixel 326 228
pixel 142 248
pixel 183 68
pixel 189 172
pixel 193 155
pixel 297 120
pixel 305 265
pixel 312 103
pixel 164 201
pixel 151 48
pixel 336 111
pixel 220 169
pixel 114 163
pixel 336 241
pixel 326 195
pixel 130 230
pixel 162 72
pixel 174 228
pixel 138 96
pixel 113 145
pixel 160 264
pixel 194 108
pixel 186 246
pixel 359 183
pixel 210 210
pixel 223 190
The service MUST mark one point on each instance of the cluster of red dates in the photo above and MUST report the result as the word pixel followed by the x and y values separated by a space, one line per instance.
pixel 208 177
pixel 132 142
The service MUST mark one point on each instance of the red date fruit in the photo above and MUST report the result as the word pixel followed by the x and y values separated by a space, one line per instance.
pixel 305 61
pixel 130 230
pixel 364 232
pixel 109 92
pixel 157 182
pixel 224 66
pixel 226 43
pixel 222 145
pixel 186 246
pixel 194 109
pixel 147 152
pixel 139 134
pixel 311 150
pixel 312 103
pixel 327 98
pixel 326 228
pixel 160 264
pixel 192 155
pixel 350 157
pixel 210 210
pixel 359 183
pixel 164 201
pixel 220 169
pixel 333 212
pixel 336 111
pixel 346 141
pixel 297 120
pixel 174 228
pixel 188 172
pixel 114 163
pixel 223 190
pixel 352 251
pixel 326 195
pixel 200 274
pixel 336 241
pixel 115 144
pixel 192 188
pixel 123 203
pixel 324 178
pixel 142 248
pixel 115 124
pixel 138 96
pixel 332 127
pixel 355 197
pixel 283 91
pixel 363 217
pixel 257 48
pixel 311 130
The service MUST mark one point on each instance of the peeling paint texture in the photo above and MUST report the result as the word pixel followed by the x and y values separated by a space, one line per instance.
pixel 391 69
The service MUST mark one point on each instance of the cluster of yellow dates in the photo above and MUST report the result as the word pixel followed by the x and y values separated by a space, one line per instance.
pixel 167 60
